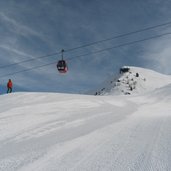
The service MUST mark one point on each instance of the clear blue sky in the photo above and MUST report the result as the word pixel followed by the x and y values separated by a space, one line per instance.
pixel 32 28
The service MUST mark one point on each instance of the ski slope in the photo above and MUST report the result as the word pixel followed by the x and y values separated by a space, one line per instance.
pixel 40 131
pixel 67 132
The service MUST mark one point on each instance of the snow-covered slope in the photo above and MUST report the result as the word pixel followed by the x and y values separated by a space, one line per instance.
pixel 133 80
pixel 63 132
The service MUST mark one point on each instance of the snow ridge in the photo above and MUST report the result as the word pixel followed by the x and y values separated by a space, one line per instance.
pixel 133 80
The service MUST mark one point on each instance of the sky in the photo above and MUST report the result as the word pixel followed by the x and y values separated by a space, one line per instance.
pixel 30 29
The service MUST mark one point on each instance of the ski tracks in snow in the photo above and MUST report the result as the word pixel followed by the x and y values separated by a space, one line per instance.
pixel 139 149
pixel 105 133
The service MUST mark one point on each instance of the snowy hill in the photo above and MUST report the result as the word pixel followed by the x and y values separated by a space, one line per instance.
pixel 63 132
pixel 133 80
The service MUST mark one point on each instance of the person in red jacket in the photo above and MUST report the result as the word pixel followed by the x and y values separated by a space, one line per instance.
pixel 9 86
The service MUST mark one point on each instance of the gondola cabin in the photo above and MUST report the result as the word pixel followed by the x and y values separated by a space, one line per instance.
pixel 62 66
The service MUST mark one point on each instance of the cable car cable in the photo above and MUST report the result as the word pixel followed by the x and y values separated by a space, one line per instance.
pixel 119 36
pixel 29 69
pixel 91 53
pixel 88 44
pixel 28 60
pixel 121 45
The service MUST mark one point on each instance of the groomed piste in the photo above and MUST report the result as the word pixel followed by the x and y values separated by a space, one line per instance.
pixel 51 131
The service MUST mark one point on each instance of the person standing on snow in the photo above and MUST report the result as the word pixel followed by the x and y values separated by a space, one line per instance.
pixel 9 86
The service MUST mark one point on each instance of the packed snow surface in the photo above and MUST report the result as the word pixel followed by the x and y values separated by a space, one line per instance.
pixel 63 132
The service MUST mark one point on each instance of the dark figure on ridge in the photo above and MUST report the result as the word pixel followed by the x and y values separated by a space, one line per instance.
pixel 9 86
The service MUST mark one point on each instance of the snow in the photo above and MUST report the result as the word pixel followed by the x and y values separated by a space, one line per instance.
pixel 128 83
pixel 51 131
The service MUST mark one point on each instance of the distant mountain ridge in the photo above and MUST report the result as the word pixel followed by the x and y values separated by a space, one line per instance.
pixel 133 80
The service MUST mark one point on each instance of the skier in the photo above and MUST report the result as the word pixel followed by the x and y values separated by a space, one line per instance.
pixel 9 86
